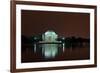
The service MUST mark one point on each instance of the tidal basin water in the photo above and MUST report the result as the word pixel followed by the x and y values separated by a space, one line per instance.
pixel 54 52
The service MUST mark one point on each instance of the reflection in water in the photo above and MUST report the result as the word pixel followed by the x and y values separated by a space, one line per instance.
pixel 49 50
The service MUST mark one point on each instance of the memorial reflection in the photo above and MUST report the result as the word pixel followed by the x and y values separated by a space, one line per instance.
pixel 51 47
pixel 49 44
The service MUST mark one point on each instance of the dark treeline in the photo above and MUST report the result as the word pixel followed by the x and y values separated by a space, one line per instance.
pixel 75 41
pixel 28 42
pixel 70 42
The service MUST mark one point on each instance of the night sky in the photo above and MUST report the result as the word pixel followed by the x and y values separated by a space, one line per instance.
pixel 63 23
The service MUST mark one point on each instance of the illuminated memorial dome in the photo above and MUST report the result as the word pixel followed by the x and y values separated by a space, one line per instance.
pixel 49 36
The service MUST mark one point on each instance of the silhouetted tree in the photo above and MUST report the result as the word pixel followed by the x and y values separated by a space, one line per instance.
pixel 24 42
pixel 67 42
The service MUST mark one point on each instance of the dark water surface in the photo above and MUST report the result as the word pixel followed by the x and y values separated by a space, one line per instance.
pixel 54 52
